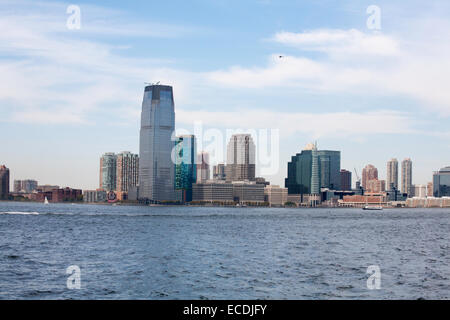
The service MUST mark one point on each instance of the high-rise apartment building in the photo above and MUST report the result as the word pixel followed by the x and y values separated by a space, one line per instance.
pixel 108 171
pixel 369 173
pixel 203 167
pixel 156 168
pixel 4 183
pixel 346 180
pixel 127 171
pixel 185 166
pixel 407 177
pixel 392 174
pixel 241 152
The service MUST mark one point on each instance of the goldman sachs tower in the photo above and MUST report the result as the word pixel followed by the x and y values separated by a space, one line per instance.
pixel 156 168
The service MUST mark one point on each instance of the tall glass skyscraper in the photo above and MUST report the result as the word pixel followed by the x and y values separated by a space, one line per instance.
pixel 441 183
pixel 108 174
pixel 185 167
pixel 156 168
pixel 313 169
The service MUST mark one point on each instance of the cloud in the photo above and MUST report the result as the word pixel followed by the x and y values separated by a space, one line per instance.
pixel 337 41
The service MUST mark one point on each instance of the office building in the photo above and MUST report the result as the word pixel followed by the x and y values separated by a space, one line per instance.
pixel 185 166
pixel 108 171
pixel 94 195
pixel 346 180
pixel 203 167
pixel 248 192
pixel 407 177
pixel 275 195
pixel 240 158
pixel 311 170
pixel 392 174
pixel 441 183
pixel 156 168
pixel 213 191
pixel 419 191
pixel 219 172
pixel 4 183
pixel 430 189
pixel 376 186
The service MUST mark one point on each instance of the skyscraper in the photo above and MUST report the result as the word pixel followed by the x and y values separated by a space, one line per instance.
pixel 240 158
pixel 369 173
pixel 392 174
pixel 346 180
pixel 202 167
pixel 127 171
pixel 156 168
pixel 441 183
pixel 108 171
pixel 185 166
pixel 4 183
pixel 313 169
pixel 407 177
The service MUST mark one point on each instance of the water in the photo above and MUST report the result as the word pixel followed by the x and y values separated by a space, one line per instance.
pixel 127 252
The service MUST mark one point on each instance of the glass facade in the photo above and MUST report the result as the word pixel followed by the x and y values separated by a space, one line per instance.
pixel 108 177
pixel 441 183
pixel 311 170
pixel 156 168
pixel 185 167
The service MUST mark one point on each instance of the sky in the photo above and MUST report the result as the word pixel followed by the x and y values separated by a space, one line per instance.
pixel 374 91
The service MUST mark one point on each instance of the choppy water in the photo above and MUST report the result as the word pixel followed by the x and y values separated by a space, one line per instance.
pixel 127 252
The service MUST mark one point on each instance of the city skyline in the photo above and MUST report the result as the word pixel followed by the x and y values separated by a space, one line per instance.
pixel 282 74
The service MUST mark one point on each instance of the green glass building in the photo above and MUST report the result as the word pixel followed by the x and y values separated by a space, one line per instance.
pixel 185 167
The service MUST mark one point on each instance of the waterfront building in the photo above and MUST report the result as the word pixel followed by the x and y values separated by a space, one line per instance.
pixel 248 192
pixel 429 189
pixel 25 186
pixel 261 180
pixel 429 202
pixel 219 172
pixel 156 168
pixel 311 170
pixel 369 173
pixel 58 195
pixel 346 180
pixel 275 195
pixel 46 188
pixel 392 174
pixel 240 158
pixel 185 167
pixel 94 195
pixel 213 191
pixel 407 177
pixel 108 171
pixel 419 191
pixel 4 183
pixel 203 167
pixel 441 183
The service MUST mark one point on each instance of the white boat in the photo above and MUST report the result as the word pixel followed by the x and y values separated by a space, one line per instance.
pixel 372 208
pixel 45 200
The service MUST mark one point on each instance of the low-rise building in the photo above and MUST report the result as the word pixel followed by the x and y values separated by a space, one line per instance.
pixel 212 191
pixel 94 195
pixel 275 195
pixel 248 192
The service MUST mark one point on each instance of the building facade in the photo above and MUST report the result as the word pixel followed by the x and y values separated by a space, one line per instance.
pixel 127 171
pixel 376 186
pixel 203 170
pixel 248 192
pixel 392 174
pixel 26 186
pixel 156 168
pixel 275 195
pixel 241 153
pixel 407 177
pixel 212 192
pixel 369 173
pixel 313 169
pixel 94 195
pixel 108 171
pixel 346 180
pixel 4 183
pixel 441 183
pixel 219 172
pixel 185 166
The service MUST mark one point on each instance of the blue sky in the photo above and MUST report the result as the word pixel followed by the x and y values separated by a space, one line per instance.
pixel 67 96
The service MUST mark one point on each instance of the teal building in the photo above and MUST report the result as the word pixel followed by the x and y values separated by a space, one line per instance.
pixel 185 167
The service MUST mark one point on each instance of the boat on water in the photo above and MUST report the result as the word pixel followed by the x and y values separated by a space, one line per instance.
pixel 45 200
pixel 372 208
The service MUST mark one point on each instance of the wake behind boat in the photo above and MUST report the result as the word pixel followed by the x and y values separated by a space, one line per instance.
pixel 372 208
